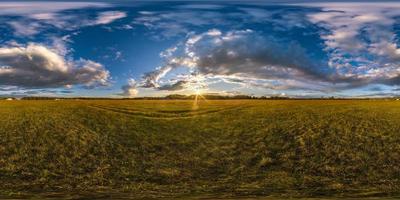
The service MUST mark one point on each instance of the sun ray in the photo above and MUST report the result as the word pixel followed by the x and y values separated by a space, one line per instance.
pixel 196 86
pixel 195 103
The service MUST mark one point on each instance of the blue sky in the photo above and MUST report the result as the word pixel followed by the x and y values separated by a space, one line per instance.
pixel 133 49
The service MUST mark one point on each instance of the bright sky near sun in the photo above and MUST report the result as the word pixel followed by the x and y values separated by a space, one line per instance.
pixel 132 48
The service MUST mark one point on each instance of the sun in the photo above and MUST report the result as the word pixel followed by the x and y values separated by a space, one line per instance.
pixel 198 95
pixel 197 86
pixel 197 92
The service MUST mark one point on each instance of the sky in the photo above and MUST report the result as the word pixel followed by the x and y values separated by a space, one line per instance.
pixel 146 48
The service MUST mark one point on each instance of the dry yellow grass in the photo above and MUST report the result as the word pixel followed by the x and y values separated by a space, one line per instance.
pixel 228 147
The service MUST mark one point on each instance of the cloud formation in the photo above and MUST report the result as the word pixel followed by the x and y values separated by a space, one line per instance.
pixel 360 40
pixel 178 85
pixel 129 90
pixel 243 54
pixel 31 18
pixel 247 53
pixel 25 28
pixel 167 24
pixel 44 9
pixel 37 66
pixel 181 19
pixel 305 47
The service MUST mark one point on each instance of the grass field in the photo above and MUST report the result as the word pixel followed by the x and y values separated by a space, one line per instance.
pixel 226 148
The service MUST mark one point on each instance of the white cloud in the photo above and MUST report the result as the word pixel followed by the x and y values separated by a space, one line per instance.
pixel 37 66
pixel 130 90
pixel 25 28
pixel 243 54
pixel 151 79
pixel 251 59
pixel 163 24
pixel 181 19
pixel 40 9
pixel 34 17
pixel 201 6
pixel 168 52
pixel 43 16
pixel 176 86
pixel 109 16
pixel 59 44
pixel 359 39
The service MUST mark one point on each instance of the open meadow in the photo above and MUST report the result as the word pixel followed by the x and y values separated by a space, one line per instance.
pixel 222 148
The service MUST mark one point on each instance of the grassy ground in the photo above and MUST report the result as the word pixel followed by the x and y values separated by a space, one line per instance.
pixel 229 148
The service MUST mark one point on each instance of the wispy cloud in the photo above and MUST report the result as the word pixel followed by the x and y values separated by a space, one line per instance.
pixel 31 18
pixel 44 8
pixel 25 28
pixel 109 16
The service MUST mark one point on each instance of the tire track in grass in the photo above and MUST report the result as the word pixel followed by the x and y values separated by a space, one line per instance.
pixel 164 116
pixel 166 113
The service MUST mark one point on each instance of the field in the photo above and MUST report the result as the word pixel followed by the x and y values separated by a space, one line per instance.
pixel 219 148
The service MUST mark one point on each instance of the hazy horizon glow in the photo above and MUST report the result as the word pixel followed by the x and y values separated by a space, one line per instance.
pixel 133 49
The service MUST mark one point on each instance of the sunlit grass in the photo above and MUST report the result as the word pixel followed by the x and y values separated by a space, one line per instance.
pixel 222 148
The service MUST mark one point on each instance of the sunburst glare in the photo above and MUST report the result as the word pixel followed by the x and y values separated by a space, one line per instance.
pixel 197 87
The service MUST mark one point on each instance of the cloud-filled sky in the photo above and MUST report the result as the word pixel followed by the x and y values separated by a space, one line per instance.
pixel 131 48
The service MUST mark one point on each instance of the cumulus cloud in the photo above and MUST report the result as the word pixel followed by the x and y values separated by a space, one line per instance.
pixel 247 53
pixel 37 66
pixel 259 60
pixel 360 44
pixel 130 90
pixel 243 53
pixel 360 41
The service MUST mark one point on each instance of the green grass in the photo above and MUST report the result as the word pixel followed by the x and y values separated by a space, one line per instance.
pixel 227 148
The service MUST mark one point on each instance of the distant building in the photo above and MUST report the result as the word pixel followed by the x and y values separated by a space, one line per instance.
pixel 9 99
